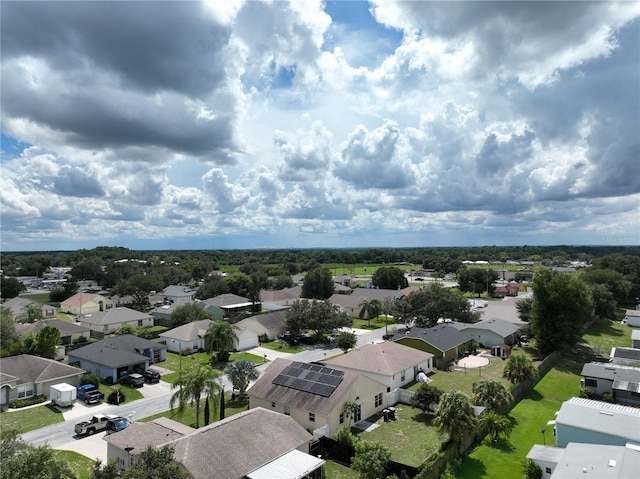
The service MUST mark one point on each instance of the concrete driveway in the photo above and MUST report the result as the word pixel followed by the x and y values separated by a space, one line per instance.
pixel 93 447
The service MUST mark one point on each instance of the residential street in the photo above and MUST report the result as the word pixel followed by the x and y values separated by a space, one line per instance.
pixel 62 435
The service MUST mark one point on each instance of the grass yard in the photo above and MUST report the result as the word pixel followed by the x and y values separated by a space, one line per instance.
pixel 604 335
pixel 281 346
pixel 80 465
pixel 411 438
pixel 375 323
pixel 188 416
pixel 448 380
pixel 28 419
pixel 530 417
pixel 193 361
pixel 333 470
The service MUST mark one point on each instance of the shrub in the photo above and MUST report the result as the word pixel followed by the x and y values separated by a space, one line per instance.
pixel 79 340
pixel 28 402
pixel 531 470
pixel 263 338
pixel 344 436
pixel 116 396
pixel 90 378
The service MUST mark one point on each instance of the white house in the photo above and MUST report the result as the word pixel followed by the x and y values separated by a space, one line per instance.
pixel 627 356
pixel 632 318
pixel 190 337
pixel 389 363
pixel 109 321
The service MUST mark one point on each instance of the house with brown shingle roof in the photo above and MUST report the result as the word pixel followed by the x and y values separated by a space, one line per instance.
pixel 269 324
pixel 389 363
pixel 254 444
pixel 86 303
pixel 314 394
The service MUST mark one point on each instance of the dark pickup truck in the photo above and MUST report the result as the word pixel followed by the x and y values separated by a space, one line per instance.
pixel 90 394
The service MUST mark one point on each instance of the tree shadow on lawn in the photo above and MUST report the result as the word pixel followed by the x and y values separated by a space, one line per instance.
pixel 534 395
pixel 604 327
pixel 502 444
pixel 470 468
pixel 573 360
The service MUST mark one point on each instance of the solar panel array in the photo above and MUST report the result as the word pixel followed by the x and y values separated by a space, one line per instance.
pixel 310 378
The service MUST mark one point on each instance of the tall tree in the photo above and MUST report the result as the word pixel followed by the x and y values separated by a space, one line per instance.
pixel 220 338
pixel 46 340
pixel 346 341
pixel 138 287
pixel 240 372
pixel 320 316
pixel 222 405
pixel 34 313
pixel 193 385
pixel 434 301
pixel 239 283
pixel 214 285
pixel 389 277
pixel 369 309
pixel 477 281
pixel 21 460
pixel 562 304
pixel 519 368
pixel 455 416
pixel 10 342
pixel 524 307
pixel 318 284
pixel 387 306
pixel 491 394
pixel 187 313
pixel 10 288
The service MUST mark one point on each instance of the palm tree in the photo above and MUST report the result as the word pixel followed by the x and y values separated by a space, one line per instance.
pixel 519 368
pixel 496 425
pixel 455 416
pixel 369 308
pixel 240 372
pixel 203 381
pixel 491 394
pixel 387 306
pixel 220 338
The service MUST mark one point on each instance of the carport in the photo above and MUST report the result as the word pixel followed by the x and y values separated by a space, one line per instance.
pixel 292 465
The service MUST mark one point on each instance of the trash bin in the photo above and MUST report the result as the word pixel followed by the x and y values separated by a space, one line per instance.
pixel 385 414
pixel 392 413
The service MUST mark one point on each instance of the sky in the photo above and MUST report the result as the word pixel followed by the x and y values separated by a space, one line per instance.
pixel 310 124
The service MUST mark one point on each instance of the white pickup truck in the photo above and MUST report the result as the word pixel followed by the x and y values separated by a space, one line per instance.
pixel 96 424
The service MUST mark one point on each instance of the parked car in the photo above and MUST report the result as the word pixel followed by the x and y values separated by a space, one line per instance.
pixel 90 394
pixel 134 380
pixel 96 424
pixel 151 376
pixel 117 424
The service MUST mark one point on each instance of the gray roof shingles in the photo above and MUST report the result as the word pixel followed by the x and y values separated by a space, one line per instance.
pixel 442 336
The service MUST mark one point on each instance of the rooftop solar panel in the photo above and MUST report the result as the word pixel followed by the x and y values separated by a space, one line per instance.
pixel 310 378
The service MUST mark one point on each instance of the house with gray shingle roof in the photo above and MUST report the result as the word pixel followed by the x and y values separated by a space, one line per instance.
pixel 19 308
pixel 25 376
pixel 269 324
pixel 230 304
pixel 281 297
pixel 140 435
pixel 109 321
pixel 445 342
pixel 389 363
pixel 86 303
pixel 69 332
pixel 190 337
pixel 490 332
pixel 254 444
pixel 117 356
pixel 315 394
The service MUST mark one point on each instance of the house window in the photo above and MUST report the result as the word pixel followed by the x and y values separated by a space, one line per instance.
pixel 378 401
pixel 591 383
pixel 139 323
pixel 548 470
pixel 25 391
pixel 312 417
pixel 287 410
pixel 105 328
pixel 273 404
pixel 341 418
pixel 402 376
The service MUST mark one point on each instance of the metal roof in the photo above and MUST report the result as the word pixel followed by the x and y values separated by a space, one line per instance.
pixel 293 465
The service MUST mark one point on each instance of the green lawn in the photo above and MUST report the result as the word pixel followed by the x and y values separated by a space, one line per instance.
pixel 282 346
pixel 333 470
pixel 530 416
pixel 375 323
pixel 411 437
pixel 188 416
pixel 28 419
pixel 80 465
pixel 461 381
pixel 193 361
